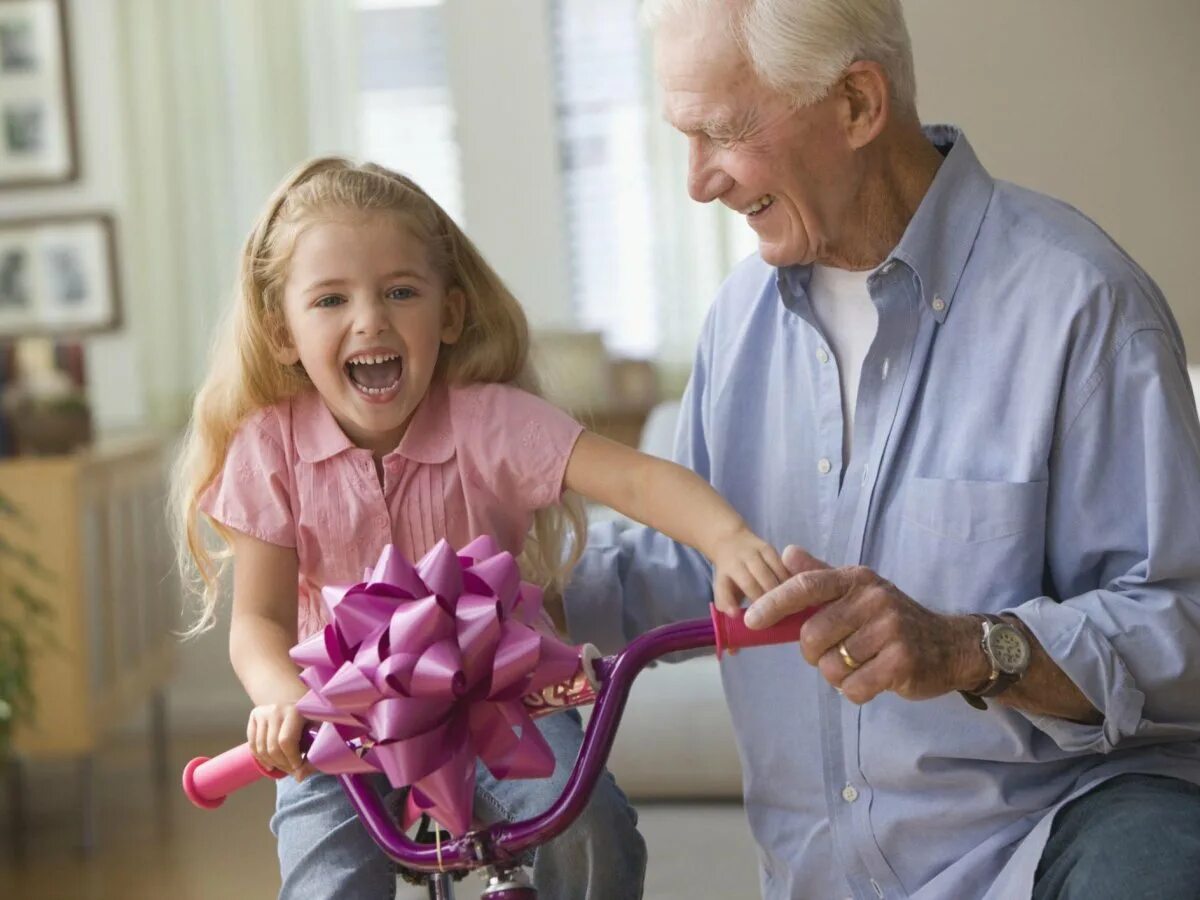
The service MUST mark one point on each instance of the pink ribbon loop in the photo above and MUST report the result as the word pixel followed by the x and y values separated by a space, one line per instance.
pixel 423 667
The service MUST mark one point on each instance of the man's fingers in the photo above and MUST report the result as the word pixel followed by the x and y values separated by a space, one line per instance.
pixel 837 626
pixel 809 588
pixel 870 680
pixel 846 620
pixel 797 559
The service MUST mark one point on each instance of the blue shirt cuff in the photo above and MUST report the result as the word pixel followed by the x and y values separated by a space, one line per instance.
pixel 1088 658
pixel 592 601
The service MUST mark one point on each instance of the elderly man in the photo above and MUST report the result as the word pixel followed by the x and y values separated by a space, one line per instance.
pixel 970 404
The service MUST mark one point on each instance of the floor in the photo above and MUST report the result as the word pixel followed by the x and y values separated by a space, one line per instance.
pixel 154 844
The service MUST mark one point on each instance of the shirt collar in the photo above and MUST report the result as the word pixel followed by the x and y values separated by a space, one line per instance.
pixel 938 240
pixel 429 438
pixel 430 435
pixel 942 232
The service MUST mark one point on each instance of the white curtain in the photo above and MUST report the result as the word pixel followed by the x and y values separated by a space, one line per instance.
pixel 221 99
pixel 697 244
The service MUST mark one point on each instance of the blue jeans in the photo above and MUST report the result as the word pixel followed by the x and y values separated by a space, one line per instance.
pixel 324 852
pixel 1134 836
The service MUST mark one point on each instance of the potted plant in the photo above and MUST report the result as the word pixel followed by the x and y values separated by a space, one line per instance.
pixel 24 628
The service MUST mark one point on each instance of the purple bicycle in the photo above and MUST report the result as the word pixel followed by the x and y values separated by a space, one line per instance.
pixel 498 849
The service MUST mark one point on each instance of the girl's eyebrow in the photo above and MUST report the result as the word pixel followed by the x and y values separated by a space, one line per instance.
pixel 338 282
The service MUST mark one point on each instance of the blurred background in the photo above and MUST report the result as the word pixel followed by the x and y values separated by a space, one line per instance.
pixel 138 139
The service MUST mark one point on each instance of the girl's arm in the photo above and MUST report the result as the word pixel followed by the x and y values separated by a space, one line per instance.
pixel 683 506
pixel 262 632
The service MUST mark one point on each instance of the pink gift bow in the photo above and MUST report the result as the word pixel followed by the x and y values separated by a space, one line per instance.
pixel 424 669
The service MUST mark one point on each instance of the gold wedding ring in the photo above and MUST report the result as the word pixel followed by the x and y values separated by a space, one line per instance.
pixel 850 661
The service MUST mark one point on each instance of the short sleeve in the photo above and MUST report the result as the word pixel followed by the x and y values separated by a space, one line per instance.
pixel 513 443
pixel 252 492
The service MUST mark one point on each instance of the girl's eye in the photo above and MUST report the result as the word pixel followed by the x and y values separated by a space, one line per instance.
pixel 331 300
pixel 401 293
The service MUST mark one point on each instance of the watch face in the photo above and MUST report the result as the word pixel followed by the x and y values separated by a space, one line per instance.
pixel 1009 649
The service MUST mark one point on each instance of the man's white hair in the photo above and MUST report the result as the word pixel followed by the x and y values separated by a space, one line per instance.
pixel 801 47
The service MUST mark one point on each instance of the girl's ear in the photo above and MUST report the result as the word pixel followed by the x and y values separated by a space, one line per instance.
pixel 286 354
pixel 454 312
pixel 284 350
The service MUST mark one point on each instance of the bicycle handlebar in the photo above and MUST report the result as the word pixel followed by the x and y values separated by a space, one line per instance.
pixel 207 781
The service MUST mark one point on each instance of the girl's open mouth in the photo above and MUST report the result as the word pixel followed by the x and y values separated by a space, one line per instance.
pixel 376 377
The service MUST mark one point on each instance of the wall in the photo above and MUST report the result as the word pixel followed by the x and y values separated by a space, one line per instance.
pixel 501 76
pixel 1093 101
pixel 113 363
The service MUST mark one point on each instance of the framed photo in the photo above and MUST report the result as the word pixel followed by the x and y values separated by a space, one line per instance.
pixel 37 121
pixel 58 276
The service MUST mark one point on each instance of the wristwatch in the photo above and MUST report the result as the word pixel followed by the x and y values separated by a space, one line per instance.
pixel 1007 649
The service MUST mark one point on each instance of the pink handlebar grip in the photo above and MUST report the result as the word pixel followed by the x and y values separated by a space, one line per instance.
pixel 208 781
pixel 732 634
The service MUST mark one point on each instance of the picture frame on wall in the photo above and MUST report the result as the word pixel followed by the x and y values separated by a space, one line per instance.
pixel 37 116
pixel 58 276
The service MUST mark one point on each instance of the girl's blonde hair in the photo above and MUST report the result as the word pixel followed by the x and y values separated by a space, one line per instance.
pixel 245 375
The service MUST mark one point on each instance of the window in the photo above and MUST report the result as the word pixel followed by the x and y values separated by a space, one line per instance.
pixel 407 110
pixel 601 109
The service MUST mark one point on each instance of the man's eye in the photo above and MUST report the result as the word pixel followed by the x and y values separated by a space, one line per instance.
pixel 401 293
pixel 330 300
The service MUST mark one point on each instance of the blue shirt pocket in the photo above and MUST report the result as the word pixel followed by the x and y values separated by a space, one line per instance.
pixel 971 546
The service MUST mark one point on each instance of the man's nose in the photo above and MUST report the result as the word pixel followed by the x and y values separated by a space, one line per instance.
pixel 706 180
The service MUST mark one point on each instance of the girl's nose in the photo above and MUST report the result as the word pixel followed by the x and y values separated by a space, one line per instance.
pixel 370 317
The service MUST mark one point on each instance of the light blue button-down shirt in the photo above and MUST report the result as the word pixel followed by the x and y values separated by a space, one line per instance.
pixel 1026 441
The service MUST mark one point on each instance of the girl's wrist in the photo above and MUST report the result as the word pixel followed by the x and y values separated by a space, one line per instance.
pixel 722 532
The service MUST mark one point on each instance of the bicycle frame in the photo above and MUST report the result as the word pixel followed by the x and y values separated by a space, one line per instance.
pixel 498 848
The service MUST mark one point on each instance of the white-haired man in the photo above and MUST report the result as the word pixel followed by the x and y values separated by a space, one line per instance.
pixel 967 401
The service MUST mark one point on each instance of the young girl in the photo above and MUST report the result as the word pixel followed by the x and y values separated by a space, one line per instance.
pixel 372 386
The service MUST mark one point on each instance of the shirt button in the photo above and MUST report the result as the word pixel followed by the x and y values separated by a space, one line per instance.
pixel 878 889
pixel 849 793
pixel 938 303
pixel 887 267
pixel 381 521
pixel 823 355
pixel 824 466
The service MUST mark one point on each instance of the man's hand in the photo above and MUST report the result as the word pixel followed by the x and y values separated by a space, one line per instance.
pixel 870 637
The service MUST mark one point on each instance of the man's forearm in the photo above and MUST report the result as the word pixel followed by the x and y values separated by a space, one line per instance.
pixel 1043 690
pixel 1046 690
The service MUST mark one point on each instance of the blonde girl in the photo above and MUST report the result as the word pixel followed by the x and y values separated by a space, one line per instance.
pixel 372 386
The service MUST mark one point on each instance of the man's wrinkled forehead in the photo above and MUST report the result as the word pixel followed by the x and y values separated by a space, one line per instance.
pixel 703 76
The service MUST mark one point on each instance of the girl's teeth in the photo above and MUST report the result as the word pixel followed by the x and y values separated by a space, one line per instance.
pixel 379 390
pixel 372 360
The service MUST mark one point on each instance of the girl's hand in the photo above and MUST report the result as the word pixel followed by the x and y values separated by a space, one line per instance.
pixel 273 734
pixel 744 566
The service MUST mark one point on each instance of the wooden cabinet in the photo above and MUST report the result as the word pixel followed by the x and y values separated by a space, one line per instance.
pixel 96 521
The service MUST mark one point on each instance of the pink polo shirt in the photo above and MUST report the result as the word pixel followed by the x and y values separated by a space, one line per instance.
pixel 474 460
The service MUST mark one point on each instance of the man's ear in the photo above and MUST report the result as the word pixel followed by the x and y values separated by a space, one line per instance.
pixel 454 312
pixel 868 103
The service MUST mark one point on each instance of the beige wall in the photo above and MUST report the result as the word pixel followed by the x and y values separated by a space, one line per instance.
pixel 1096 102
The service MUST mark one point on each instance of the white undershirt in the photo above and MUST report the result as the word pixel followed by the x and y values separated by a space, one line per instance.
pixel 843 307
